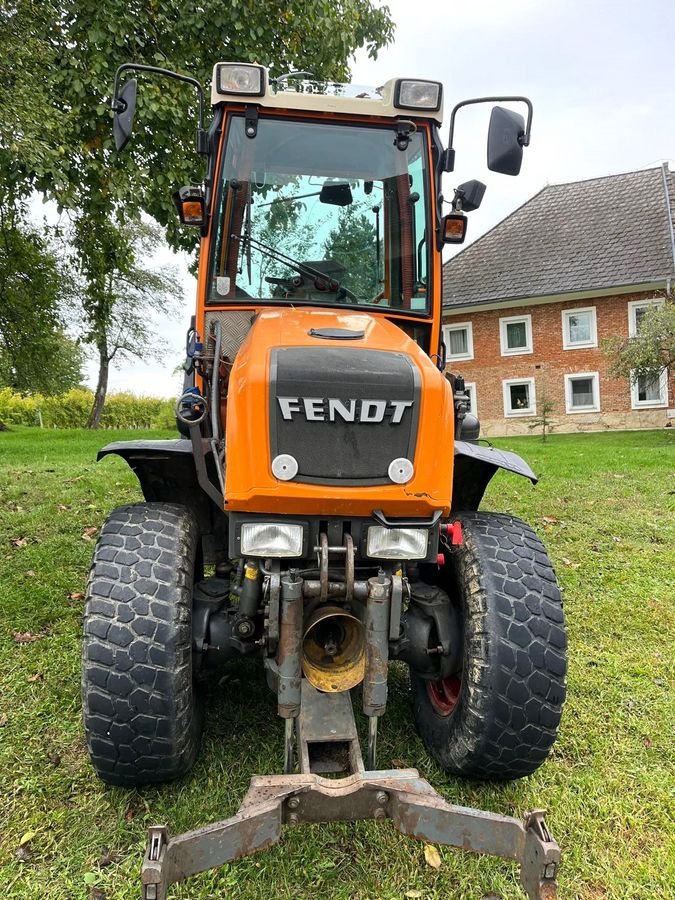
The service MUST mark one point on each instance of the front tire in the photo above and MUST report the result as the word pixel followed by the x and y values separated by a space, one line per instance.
pixel 498 716
pixel 138 696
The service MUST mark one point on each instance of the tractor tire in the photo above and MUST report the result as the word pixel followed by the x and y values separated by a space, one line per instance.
pixel 141 716
pixel 497 718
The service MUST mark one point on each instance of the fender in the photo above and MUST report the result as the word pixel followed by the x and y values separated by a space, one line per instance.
pixel 169 471
pixel 475 464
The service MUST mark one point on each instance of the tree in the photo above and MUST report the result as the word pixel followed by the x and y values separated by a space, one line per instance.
pixel 650 351
pixel 57 62
pixel 119 321
pixel 35 290
pixel 353 244
pixel 57 129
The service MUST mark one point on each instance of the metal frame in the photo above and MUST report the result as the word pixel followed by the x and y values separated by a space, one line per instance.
pixel 401 795
pixel 326 732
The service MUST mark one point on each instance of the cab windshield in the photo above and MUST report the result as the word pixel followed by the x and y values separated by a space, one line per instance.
pixel 318 213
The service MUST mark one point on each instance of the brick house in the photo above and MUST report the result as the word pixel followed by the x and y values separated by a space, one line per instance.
pixel 527 306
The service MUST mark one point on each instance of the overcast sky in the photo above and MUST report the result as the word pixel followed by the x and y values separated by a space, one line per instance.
pixel 600 74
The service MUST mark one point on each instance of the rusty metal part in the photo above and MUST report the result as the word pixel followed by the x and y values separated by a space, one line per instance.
pixel 328 742
pixel 377 646
pixel 289 658
pixel 323 566
pixel 272 617
pixel 289 745
pixel 396 607
pixel 412 804
pixel 333 649
pixel 349 568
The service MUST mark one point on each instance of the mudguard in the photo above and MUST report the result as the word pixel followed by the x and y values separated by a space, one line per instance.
pixel 168 472
pixel 475 464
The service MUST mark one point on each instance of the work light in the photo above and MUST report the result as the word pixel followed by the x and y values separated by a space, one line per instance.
pixel 397 543
pixel 271 539
pixel 410 94
pixel 241 78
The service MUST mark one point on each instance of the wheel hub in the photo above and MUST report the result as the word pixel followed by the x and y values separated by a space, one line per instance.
pixel 444 694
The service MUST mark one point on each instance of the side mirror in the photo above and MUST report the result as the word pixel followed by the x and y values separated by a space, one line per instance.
pixel 506 138
pixel 191 206
pixel 470 194
pixel 124 106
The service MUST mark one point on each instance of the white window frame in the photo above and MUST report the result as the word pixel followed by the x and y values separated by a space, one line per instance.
pixel 516 351
pixel 473 405
pixel 649 404
pixel 574 376
pixel 568 344
pixel 634 305
pixel 456 326
pixel 506 394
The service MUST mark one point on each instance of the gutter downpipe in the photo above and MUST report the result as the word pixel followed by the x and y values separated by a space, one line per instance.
pixel 669 216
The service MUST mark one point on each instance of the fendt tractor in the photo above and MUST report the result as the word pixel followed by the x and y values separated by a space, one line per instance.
pixel 319 510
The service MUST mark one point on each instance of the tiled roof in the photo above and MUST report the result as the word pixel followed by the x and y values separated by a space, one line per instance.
pixel 581 236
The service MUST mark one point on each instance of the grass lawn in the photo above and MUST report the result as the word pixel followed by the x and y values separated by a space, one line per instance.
pixel 605 506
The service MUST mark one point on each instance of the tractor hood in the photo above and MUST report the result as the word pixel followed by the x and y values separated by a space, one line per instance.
pixel 339 414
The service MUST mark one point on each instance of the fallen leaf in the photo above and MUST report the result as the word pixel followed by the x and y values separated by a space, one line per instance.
pixel 23 854
pixel 25 637
pixel 130 814
pixel 73 480
pixel 432 856
pixel 647 742
pixel 550 520
pixel 89 878
pixel 617 540
pixel 76 595
pixel 28 836
pixel 30 573
pixel 37 677
pixel 88 533
pixel 107 857
pixel 3 720
pixel 18 542
pixel 399 764
pixel 61 507
pixel 570 564
pixel 54 759
pixel 413 894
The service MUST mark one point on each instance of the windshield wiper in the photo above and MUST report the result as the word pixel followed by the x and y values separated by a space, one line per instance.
pixel 321 281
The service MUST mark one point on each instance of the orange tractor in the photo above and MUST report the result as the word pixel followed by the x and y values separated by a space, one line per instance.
pixel 319 510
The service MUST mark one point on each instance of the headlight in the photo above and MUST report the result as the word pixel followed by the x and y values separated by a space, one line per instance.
pixel 418 94
pixel 397 543
pixel 269 539
pixel 239 78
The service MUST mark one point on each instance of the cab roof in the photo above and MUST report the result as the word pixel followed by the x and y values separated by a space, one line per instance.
pixel 330 97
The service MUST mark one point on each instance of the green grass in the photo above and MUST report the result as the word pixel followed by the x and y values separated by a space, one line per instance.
pixel 608 786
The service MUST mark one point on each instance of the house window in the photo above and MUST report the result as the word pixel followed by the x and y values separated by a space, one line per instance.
pixel 582 393
pixel 649 391
pixel 637 309
pixel 516 335
pixel 519 397
pixel 458 341
pixel 579 328
pixel 470 388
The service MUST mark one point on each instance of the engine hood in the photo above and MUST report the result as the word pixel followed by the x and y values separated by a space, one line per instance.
pixel 336 414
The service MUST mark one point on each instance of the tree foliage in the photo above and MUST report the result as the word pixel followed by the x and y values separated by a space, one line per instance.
pixel 35 289
pixel 58 128
pixel 353 243
pixel 651 351
pixel 120 320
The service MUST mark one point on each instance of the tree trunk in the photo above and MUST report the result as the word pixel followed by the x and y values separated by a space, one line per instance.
pixel 94 419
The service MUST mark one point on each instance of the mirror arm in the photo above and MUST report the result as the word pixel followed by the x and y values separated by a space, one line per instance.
pixel 524 141
pixel 118 106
